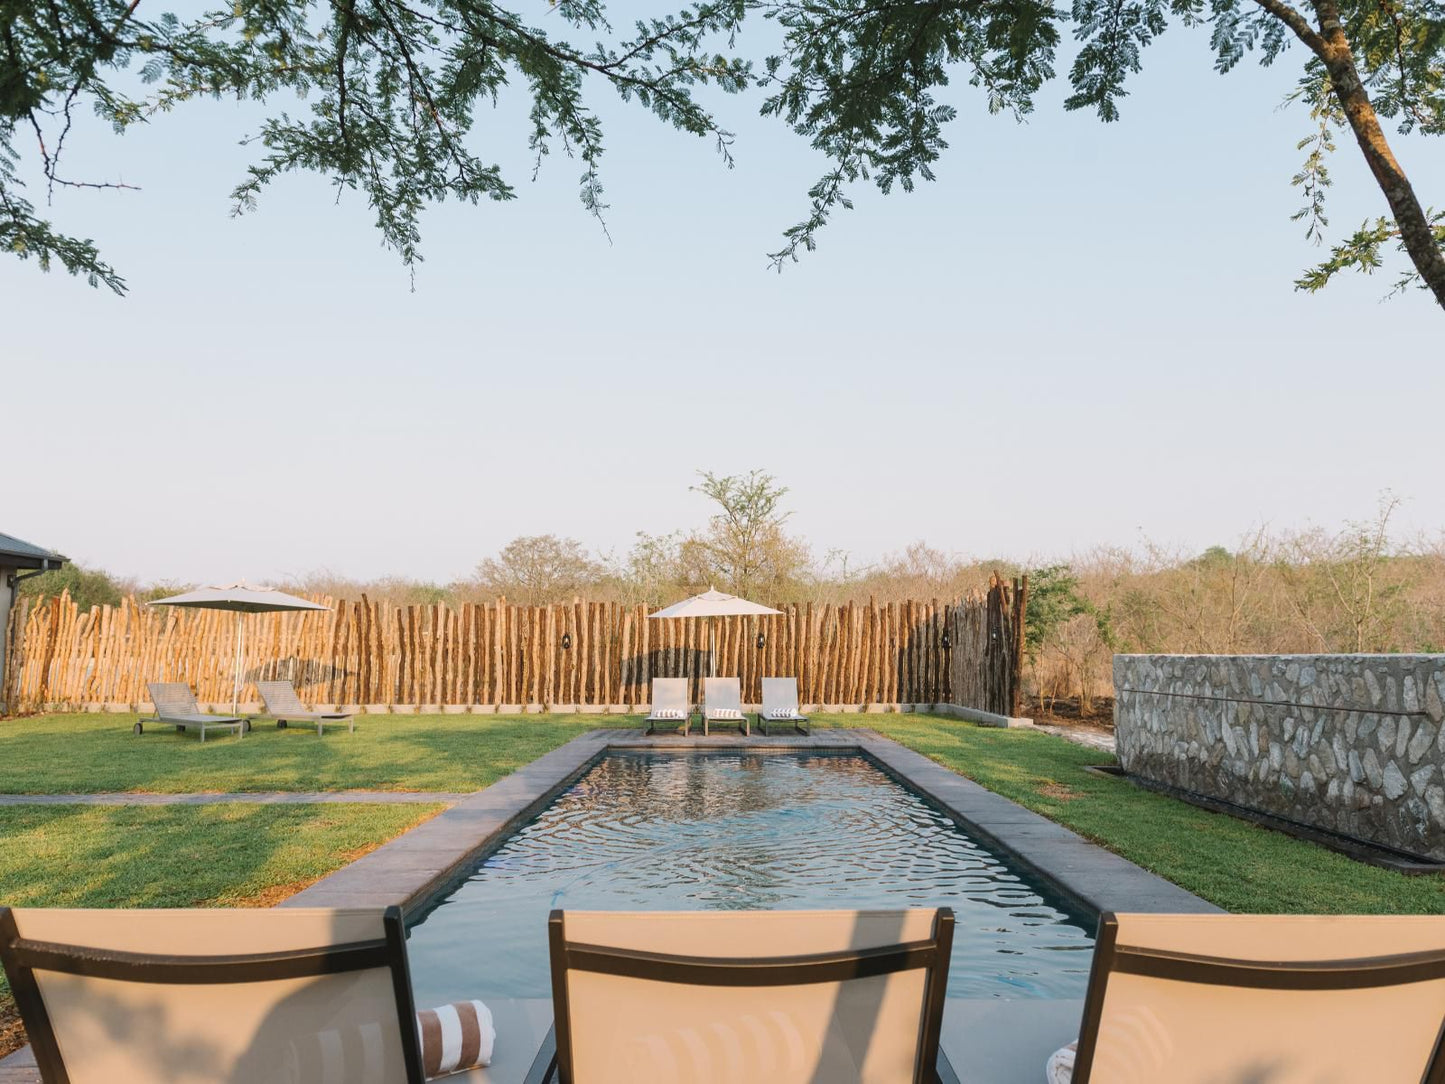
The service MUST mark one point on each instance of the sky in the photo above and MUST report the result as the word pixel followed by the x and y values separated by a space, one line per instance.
pixel 1080 335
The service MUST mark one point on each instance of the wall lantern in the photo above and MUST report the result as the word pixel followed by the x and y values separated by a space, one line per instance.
pixel 566 641
pixel 762 641
pixel 945 641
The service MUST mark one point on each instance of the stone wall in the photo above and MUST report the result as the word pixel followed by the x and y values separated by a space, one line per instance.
pixel 1349 743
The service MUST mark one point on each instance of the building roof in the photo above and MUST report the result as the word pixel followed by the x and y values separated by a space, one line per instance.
pixel 16 553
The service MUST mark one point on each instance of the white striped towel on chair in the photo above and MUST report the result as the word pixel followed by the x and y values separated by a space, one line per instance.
pixel 455 1037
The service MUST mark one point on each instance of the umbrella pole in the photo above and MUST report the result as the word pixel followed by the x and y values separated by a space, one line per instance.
pixel 240 641
pixel 712 647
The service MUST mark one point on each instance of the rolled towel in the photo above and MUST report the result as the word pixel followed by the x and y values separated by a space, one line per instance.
pixel 455 1037
pixel 726 713
pixel 1060 1069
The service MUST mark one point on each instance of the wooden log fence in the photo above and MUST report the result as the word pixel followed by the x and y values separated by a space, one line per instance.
pixel 499 655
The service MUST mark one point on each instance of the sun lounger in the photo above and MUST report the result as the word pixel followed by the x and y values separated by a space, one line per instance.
pixel 284 996
pixel 285 706
pixel 786 997
pixel 1288 999
pixel 722 702
pixel 176 706
pixel 669 705
pixel 780 705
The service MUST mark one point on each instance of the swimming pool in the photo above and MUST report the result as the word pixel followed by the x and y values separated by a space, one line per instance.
pixel 729 831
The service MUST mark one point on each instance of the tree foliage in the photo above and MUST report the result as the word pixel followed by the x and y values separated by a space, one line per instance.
pixel 1054 600
pixel 391 91
pixel 745 547
pixel 87 586
pixel 538 570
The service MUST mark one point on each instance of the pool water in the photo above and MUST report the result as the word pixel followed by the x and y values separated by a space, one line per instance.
pixel 718 831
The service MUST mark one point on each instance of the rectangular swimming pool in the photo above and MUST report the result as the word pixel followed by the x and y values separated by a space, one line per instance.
pixel 731 831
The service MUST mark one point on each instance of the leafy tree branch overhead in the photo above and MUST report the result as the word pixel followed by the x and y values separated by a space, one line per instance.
pixel 392 89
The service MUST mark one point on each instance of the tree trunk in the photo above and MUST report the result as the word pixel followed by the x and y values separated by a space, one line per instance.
pixel 1333 48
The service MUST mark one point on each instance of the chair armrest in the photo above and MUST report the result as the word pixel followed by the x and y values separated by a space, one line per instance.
pixel 946 1075
pixel 544 1066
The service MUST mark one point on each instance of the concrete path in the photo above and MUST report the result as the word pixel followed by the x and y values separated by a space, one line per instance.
pixel 1094 738
pixel 329 797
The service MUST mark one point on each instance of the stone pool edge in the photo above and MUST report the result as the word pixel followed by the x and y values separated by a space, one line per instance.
pixel 415 867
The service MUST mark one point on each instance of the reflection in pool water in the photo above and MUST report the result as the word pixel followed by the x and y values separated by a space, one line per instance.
pixel 714 831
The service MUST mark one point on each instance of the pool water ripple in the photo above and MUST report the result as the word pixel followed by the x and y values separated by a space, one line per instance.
pixel 715 831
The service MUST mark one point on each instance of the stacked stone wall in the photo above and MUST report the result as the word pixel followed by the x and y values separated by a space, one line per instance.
pixel 1350 743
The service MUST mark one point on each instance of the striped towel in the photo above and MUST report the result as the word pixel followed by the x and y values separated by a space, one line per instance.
pixel 783 713
pixel 667 713
pixel 455 1037
pixel 1060 1069
pixel 726 713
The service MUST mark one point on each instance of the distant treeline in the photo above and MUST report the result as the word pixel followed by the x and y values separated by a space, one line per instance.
pixel 1352 589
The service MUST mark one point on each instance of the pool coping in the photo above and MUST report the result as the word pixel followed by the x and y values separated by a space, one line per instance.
pixel 418 866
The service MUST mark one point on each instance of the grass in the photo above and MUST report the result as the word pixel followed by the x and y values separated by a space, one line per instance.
pixel 1232 863
pixel 82 754
pixel 1227 861
pixel 178 856
pixel 183 856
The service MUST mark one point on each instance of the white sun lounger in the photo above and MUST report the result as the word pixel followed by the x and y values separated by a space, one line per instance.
pixel 176 706
pixel 780 705
pixel 722 702
pixel 669 705
pixel 285 706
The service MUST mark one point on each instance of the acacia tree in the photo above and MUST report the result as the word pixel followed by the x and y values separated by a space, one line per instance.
pixel 745 546
pixel 539 570
pixel 393 88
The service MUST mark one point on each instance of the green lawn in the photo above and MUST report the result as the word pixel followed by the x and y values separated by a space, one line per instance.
pixel 1235 864
pixel 183 856
pixel 78 754
pixel 1228 861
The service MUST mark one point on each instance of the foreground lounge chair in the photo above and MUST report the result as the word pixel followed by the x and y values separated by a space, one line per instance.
pixel 176 706
pixel 782 997
pixel 780 705
pixel 285 706
pixel 284 996
pixel 669 705
pixel 722 702
pixel 1283 999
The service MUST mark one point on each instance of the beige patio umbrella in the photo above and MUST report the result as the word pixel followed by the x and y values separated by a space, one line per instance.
pixel 713 604
pixel 243 599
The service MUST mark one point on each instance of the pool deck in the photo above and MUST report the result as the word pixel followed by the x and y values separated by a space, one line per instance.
pixel 989 1042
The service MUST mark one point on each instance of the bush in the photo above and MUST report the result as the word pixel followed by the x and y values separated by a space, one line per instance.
pixel 87 586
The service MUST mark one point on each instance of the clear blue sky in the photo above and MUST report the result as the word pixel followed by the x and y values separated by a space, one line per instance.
pixel 1078 334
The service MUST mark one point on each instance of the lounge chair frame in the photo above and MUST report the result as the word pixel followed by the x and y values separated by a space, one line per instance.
pixel 284 705
pixel 175 696
pixel 1348 974
pixel 554 1061
pixel 684 724
pixel 797 722
pixel 22 958
pixel 708 709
